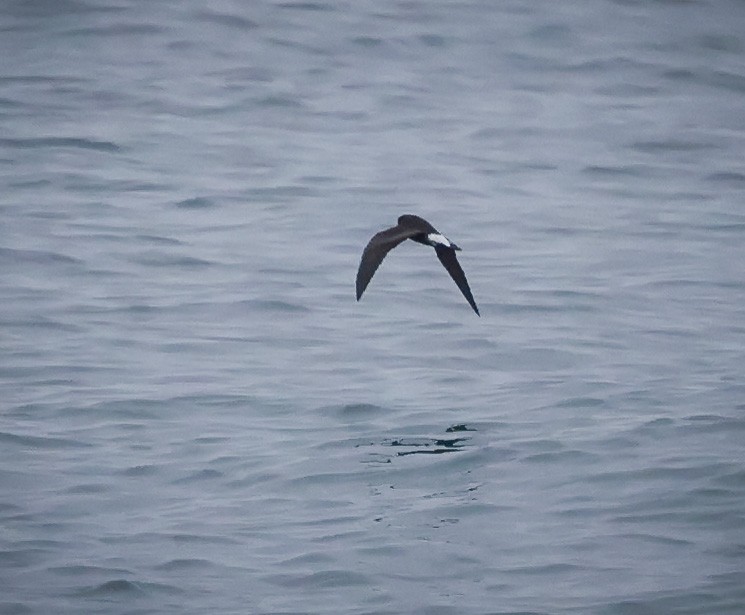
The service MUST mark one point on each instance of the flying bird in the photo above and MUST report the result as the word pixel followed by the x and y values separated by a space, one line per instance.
pixel 417 229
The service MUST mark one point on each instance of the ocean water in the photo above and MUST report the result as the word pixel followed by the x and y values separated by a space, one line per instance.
pixel 196 416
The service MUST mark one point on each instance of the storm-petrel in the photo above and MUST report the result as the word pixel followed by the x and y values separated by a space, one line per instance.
pixel 419 230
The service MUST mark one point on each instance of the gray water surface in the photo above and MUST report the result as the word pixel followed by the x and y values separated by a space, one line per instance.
pixel 196 415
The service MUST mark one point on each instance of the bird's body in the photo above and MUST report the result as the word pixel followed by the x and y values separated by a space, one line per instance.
pixel 417 229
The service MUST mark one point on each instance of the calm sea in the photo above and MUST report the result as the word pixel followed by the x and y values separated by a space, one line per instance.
pixel 196 416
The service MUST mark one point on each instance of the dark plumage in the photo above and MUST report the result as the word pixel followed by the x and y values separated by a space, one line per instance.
pixel 419 230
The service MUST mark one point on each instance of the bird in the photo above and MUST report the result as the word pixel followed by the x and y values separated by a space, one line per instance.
pixel 417 229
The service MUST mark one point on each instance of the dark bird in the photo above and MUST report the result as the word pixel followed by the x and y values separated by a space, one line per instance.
pixel 419 230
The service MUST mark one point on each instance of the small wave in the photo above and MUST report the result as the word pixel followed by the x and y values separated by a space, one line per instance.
pixel 121 29
pixel 655 146
pixel 728 81
pixel 280 100
pixel 358 409
pixel 13 256
pixel 227 19
pixel 323 579
pixel 160 259
pixel 184 564
pixel 81 570
pixel 158 239
pixel 119 587
pixel 40 442
pixel 727 176
pixel 99 146
pixel 560 457
pixel 15 608
pixel 21 558
pixel 141 470
pixel 274 305
pixel 581 402
pixel 53 9
pixel 368 41
pixel 203 538
pixel 550 569
pixel 306 6
pixel 87 489
pixel 732 479
pixel 7 103
pixel 198 202
pixel 199 476
pixel 614 171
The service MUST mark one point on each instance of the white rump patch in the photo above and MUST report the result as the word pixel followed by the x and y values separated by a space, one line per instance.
pixel 436 238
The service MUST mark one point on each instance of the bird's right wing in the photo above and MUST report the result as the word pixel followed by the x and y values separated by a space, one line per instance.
pixel 451 264
pixel 375 251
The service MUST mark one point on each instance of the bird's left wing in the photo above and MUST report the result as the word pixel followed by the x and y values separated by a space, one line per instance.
pixel 375 251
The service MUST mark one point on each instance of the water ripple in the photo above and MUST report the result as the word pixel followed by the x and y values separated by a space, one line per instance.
pixel 73 142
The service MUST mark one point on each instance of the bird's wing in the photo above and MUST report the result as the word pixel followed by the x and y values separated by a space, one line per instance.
pixel 375 251
pixel 450 262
